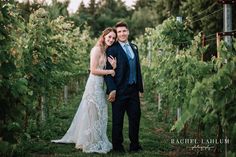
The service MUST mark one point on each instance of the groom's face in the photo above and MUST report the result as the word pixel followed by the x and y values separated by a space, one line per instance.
pixel 122 34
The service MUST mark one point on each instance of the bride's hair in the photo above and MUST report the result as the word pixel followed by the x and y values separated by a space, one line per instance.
pixel 101 39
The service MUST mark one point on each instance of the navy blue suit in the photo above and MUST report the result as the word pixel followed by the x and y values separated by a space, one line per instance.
pixel 127 96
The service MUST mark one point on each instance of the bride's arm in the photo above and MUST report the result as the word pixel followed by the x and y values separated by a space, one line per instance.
pixel 94 61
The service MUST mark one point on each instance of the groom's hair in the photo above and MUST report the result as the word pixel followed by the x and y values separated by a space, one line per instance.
pixel 121 24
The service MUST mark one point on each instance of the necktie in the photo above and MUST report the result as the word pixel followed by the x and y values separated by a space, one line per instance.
pixel 131 55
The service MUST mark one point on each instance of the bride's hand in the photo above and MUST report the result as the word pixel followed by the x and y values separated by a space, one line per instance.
pixel 112 61
pixel 112 73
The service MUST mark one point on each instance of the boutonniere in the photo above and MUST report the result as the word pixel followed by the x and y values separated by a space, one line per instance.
pixel 135 47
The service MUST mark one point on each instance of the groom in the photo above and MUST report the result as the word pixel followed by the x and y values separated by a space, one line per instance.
pixel 124 89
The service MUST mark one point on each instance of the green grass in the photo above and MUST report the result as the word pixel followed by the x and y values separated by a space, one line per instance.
pixel 154 135
pixel 59 121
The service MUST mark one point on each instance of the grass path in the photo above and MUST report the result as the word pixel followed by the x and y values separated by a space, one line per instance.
pixel 155 136
pixel 153 140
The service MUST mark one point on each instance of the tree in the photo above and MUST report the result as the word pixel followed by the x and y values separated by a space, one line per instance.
pixel 153 13
pixel 104 13
pixel 141 19
pixel 57 9
pixel 202 15
pixel 167 8
pixel 144 3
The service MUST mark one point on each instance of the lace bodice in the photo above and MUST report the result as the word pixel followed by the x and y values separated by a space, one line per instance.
pixel 102 56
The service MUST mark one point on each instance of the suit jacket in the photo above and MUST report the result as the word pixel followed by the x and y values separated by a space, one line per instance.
pixel 120 81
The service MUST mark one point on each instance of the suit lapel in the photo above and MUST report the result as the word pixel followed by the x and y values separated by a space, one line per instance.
pixel 135 52
pixel 134 49
pixel 122 52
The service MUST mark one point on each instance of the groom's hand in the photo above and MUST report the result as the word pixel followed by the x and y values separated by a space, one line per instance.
pixel 140 95
pixel 112 96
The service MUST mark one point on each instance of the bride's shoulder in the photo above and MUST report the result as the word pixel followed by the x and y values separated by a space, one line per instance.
pixel 96 50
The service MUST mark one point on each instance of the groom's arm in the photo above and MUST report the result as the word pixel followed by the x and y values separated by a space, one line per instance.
pixel 111 86
pixel 139 74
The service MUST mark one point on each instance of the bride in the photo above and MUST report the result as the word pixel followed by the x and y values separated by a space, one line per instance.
pixel 89 126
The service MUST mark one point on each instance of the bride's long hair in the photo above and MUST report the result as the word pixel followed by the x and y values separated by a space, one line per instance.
pixel 101 40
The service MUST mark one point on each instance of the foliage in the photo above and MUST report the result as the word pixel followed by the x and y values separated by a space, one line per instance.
pixel 12 83
pixel 37 58
pixel 205 91
pixel 101 14
pixel 43 48
pixel 201 16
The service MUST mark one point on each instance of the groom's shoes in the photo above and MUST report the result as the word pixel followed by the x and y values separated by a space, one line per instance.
pixel 135 149
pixel 119 149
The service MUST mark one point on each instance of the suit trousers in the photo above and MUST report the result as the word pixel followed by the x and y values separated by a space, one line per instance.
pixel 127 102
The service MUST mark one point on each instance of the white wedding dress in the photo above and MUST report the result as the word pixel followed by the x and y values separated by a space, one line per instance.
pixel 88 129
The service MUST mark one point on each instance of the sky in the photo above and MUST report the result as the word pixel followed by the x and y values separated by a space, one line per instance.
pixel 74 4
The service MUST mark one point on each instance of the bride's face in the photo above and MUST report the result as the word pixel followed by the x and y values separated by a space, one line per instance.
pixel 110 38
